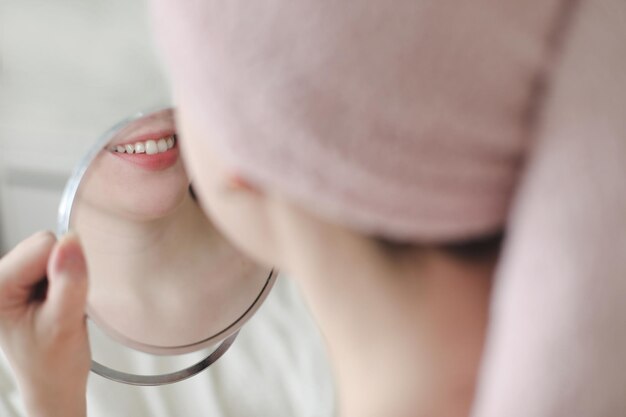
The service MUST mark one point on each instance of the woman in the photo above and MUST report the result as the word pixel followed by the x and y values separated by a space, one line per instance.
pixel 154 258
pixel 376 152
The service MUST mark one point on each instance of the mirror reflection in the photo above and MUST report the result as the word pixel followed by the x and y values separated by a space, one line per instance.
pixel 161 276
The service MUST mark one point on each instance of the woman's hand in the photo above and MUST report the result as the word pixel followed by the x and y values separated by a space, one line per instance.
pixel 43 330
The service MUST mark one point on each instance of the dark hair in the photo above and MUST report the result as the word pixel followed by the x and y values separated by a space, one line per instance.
pixel 477 249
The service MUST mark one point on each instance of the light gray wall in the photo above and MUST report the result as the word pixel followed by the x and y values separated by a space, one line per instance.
pixel 68 70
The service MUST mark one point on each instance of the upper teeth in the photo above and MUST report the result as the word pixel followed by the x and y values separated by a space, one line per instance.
pixel 149 147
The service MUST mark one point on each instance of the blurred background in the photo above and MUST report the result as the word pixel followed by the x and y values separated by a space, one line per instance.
pixel 69 70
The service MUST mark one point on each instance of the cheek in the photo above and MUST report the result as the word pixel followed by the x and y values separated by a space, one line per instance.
pixel 237 214
pixel 205 174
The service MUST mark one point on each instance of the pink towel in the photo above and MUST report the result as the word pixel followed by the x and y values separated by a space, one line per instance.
pixel 380 117
pixel 416 120
pixel 557 342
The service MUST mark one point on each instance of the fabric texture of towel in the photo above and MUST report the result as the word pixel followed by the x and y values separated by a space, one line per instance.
pixel 379 117
pixel 437 121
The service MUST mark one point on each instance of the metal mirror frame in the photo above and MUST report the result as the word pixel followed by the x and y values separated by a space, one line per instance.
pixel 231 332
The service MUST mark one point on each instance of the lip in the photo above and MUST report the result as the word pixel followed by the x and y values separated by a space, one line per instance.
pixel 155 162
pixel 144 137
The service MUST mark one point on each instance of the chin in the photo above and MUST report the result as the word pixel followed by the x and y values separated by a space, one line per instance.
pixel 244 225
pixel 153 207
pixel 139 206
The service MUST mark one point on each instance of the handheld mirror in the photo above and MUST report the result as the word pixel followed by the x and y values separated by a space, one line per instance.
pixel 163 281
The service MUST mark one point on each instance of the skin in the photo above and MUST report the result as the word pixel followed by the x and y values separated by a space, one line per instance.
pixel 404 332
pixel 140 228
pixel 46 342
pixel 148 277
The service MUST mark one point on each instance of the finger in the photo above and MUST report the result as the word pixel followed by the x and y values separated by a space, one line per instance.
pixel 67 290
pixel 25 266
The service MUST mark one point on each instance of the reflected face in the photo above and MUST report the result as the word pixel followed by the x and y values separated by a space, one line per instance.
pixel 162 279
pixel 139 175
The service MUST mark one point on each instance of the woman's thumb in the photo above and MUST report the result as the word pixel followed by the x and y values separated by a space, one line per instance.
pixel 67 287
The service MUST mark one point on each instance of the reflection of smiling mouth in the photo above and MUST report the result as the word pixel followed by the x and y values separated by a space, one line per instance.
pixel 149 147
pixel 151 154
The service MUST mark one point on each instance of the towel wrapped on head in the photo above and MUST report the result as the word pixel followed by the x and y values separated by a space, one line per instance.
pixel 434 121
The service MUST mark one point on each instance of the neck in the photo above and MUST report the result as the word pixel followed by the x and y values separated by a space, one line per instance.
pixel 146 278
pixel 405 338
pixel 128 250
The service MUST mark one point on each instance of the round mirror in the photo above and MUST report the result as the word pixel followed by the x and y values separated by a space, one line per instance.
pixel 163 281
